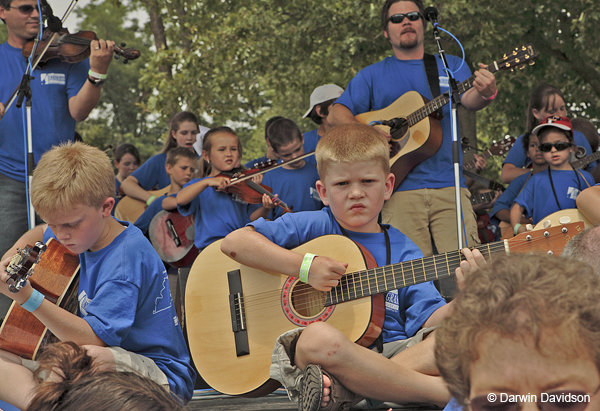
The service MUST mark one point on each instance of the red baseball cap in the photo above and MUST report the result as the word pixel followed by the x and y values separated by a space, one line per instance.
pixel 552 121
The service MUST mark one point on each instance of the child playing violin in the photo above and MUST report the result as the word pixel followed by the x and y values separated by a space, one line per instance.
pixel 218 213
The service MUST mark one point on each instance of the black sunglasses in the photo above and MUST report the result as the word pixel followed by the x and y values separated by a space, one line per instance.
pixel 559 146
pixel 399 18
pixel 24 8
pixel 548 401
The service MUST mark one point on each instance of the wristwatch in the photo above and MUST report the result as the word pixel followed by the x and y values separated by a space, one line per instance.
pixel 96 82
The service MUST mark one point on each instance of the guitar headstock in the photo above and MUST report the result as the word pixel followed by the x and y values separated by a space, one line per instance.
pixel 503 146
pixel 551 240
pixel 520 55
pixel 127 54
pixel 22 264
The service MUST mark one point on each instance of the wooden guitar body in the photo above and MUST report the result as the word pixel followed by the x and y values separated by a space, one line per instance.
pixel 172 236
pixel 415 143
pixel 55 276
pixel 273 305
pixel 130 209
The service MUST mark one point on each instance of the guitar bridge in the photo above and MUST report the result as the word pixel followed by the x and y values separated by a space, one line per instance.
pixel 173 232
pixel 238 313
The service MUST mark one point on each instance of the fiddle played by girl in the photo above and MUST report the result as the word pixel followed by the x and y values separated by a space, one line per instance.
pixel 216 212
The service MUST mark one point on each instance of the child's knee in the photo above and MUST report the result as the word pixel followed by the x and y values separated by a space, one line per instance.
pixel 320 339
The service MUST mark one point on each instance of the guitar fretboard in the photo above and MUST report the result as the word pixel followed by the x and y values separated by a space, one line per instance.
pixel 381 279
pixel 586 160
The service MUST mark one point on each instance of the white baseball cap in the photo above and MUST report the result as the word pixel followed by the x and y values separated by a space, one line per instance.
pixel 322 94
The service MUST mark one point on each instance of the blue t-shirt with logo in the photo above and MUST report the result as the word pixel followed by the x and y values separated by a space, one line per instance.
pixel 379 85
pixel 52 124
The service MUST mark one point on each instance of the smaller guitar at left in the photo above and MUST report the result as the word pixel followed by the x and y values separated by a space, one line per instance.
pixel 53 271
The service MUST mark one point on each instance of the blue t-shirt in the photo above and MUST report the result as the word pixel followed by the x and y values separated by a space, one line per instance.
pixel 52 124
pixel 143 221
pixel 506 200
pixel 537 197
pixel 517 155
pixel 379 85
pixel 152 175
pixel 311 138
pixel 124 296
pixel 296 187
pixel 406 309
pixel 216 214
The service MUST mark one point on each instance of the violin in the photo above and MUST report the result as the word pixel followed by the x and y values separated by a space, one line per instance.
pixel 247 190
pixel 71 48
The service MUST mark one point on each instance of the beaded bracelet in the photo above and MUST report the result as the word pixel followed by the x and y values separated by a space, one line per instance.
pixel 34 301
pixel 305 267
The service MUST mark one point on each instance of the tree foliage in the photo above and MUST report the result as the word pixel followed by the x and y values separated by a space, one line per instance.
pixel 240 62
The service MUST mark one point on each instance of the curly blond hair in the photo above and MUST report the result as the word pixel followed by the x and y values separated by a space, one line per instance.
pixel 521 297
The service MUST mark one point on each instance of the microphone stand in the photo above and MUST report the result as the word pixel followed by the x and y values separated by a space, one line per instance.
pixel 455 100
pixel 24 92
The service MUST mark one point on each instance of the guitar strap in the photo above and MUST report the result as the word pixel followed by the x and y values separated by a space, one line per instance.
pixel 388 260
pixel 433 77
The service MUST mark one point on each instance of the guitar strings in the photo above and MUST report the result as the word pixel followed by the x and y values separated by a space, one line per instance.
pixel 378 279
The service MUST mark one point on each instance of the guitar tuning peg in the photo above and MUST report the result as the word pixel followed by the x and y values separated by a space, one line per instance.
pixel 117 57
pixel 123 44
pixel 531 63
pixel 521 67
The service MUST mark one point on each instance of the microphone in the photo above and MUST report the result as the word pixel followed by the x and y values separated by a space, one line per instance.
pixel 431 14
pixel 54 23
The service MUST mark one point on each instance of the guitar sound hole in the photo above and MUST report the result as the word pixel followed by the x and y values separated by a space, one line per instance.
pixel 307 301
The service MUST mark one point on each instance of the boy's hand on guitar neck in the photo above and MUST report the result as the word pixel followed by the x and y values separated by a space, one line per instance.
pixel 474 260
pixel 20 297
pixel 325 273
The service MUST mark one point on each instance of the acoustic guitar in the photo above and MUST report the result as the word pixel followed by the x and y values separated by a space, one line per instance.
pixel 235 313
pixel 417 134
pixel 172 236
pixel 57 277
pixel 498 148
pixel 130 209
pixel 562 217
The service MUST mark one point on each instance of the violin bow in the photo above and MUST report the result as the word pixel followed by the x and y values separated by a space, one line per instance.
pixel 236 180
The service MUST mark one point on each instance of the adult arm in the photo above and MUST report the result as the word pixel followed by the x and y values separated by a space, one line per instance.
pixel 510 172
pixel 484 88
pixel 131 187
pixel 80 105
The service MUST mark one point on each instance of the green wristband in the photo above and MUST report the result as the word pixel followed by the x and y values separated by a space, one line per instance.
pixel 305 267
pixel 150 200
pixel 517 228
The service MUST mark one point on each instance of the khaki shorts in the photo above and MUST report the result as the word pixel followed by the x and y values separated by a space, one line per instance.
pixel 125 361
pixel 289 375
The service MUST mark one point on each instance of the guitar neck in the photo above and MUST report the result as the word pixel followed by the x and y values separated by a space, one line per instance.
pixel 443 99
pixel 482 198
pixel 586 160
pixel 391 277
pixel 471 164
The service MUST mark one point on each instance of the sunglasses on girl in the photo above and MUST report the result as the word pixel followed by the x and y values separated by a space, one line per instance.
pixel 24 8
pixel 559 146
pixel 399 18
pixel 548 401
